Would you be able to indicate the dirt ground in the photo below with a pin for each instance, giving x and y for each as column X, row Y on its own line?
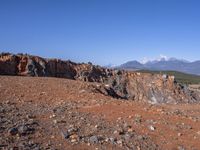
column 52, row 113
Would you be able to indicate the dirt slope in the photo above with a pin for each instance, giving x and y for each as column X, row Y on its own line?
column 52, row 113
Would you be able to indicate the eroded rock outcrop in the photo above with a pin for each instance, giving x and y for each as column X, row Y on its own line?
column 119, row 84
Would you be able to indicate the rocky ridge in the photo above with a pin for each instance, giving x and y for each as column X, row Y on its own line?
column 116, row 83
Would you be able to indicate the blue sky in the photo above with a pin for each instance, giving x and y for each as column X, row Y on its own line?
column 101, row 31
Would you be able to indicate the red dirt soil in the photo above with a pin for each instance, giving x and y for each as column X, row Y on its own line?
column 167, row 126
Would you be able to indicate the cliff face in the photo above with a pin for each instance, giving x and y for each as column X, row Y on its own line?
column 119, row 84
column 8, row 64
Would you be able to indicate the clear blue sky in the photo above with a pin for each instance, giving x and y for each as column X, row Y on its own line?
column 101, row 31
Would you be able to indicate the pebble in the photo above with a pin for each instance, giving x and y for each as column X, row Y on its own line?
column 129, row 117
column 127, row 136
column 73, row 140
column 112, row 140
column 65, row 135
column 130, row 130
column 180, row 134
column 181, row 148
column 30, row 116
column 55, row 121
column 74, row 136
column 152, row 128
column 13, row 131
column 23, row 129
column 52, row 116
column 138, row 118
column 52, row 137
column 94, row 139
column 120, row 118
column 115, row 132
column 120, row 142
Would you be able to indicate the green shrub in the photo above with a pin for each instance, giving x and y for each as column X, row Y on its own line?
column 180, row 77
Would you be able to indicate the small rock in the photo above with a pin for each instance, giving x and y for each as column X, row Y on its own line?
column 65, row 135
column 129, row 117
column 55, row 121
column 127, row 136
column 30, row 116
column 181, row 148
column 121, row 132
column 138, row 119
column 120, row 118
column 23, row 129
column 107, row 139
column 53, row 116
column 94, row 139
column 152, row 128
column 126, row 125
column 74, row 136
column 13, row 131
column 42, row 93
column 120, row 142
column 115, row 132
column 88, row 144
column 72, row 130
column 52, row 137
column 140, row 137
column 82, row 91
column 112, row 140
column 130, row 130
column 180, row 134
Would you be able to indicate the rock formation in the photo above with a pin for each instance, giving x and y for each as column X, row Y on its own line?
column 116, row 83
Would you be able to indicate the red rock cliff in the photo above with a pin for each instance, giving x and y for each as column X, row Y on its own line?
column 119, row 84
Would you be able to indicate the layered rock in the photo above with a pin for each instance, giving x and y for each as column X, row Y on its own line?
column 119, row 84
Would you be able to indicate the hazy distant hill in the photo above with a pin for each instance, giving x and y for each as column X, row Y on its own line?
column 165, row 64
column 132, row 65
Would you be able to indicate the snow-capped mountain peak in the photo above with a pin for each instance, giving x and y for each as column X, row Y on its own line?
column 150, row 60
column 164, row 63
column 161, row 58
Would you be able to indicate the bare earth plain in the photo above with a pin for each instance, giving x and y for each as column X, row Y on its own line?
column 54, row 113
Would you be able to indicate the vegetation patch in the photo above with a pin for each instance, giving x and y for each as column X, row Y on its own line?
column 180, row 77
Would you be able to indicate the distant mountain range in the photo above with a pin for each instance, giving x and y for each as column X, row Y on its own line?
column 164, row 64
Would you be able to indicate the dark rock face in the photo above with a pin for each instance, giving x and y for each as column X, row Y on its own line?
column 147, row 87
column 118, row 84
column 58, row 68
column 8, row 64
